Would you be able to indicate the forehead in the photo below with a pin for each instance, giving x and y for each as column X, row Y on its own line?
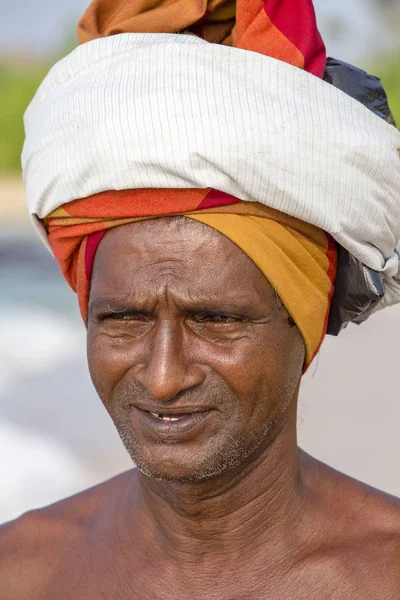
column 179, row 253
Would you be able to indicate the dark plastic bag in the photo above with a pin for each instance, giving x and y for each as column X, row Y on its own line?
column 358, row 289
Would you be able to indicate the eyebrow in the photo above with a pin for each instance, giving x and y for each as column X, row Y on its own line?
column 113, row 304
column 211, row 305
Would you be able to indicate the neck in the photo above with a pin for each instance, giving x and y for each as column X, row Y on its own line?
column 262, row 504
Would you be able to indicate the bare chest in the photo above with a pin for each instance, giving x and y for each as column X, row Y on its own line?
column 88, row 582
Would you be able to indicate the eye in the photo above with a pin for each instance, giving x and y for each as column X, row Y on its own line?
column 124, row 317
column 217, row 318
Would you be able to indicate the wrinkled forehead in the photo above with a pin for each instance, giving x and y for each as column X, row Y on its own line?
column 178, row 253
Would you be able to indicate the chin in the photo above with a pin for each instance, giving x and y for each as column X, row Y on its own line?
column 171, row 462
column 168, row 464
column 190, row 461
column 178, row 475
column 170, row 475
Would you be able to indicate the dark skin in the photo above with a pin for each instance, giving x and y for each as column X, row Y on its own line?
column 225, row 505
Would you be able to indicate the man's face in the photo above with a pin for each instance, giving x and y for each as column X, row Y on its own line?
column 188, row 348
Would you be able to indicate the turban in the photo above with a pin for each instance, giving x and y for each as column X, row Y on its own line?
column 148, row 118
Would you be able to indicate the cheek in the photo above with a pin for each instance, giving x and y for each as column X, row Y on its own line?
column 266, row 374
column 107, row 364
column 262, row 371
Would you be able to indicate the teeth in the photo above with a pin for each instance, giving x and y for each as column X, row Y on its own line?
column 165, row 418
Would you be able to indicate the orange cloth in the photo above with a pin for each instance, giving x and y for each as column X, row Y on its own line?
column 284, row 29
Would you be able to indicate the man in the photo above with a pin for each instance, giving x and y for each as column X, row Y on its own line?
column 203, row 310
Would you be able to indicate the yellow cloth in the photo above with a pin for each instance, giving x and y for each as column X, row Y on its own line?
column 300, row 268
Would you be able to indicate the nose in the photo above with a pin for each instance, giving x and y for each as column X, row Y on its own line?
column 167, row 370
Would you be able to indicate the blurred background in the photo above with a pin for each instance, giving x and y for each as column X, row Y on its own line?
column 55, row 437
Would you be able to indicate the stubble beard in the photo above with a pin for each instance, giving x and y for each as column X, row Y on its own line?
column 228, row 454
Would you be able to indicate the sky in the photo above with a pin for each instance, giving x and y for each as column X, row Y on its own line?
column 353, row 29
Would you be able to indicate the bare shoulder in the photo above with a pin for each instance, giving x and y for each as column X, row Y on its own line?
column 374, row 536
column 380, row 515
column 34, row 547
column 366, row 530
column 29, row 547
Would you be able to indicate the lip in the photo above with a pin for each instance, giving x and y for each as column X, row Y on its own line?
column 180, row 410
column 190, row 423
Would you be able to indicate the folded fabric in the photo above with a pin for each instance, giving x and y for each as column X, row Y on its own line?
column 284, row 29
column 173, row 111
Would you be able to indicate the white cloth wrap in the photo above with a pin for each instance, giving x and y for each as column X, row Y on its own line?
column 173, row 111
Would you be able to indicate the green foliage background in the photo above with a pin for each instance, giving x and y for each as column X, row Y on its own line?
column 18, row 83
column 389, row 71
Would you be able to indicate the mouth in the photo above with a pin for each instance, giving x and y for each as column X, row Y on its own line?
column 174, row 423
